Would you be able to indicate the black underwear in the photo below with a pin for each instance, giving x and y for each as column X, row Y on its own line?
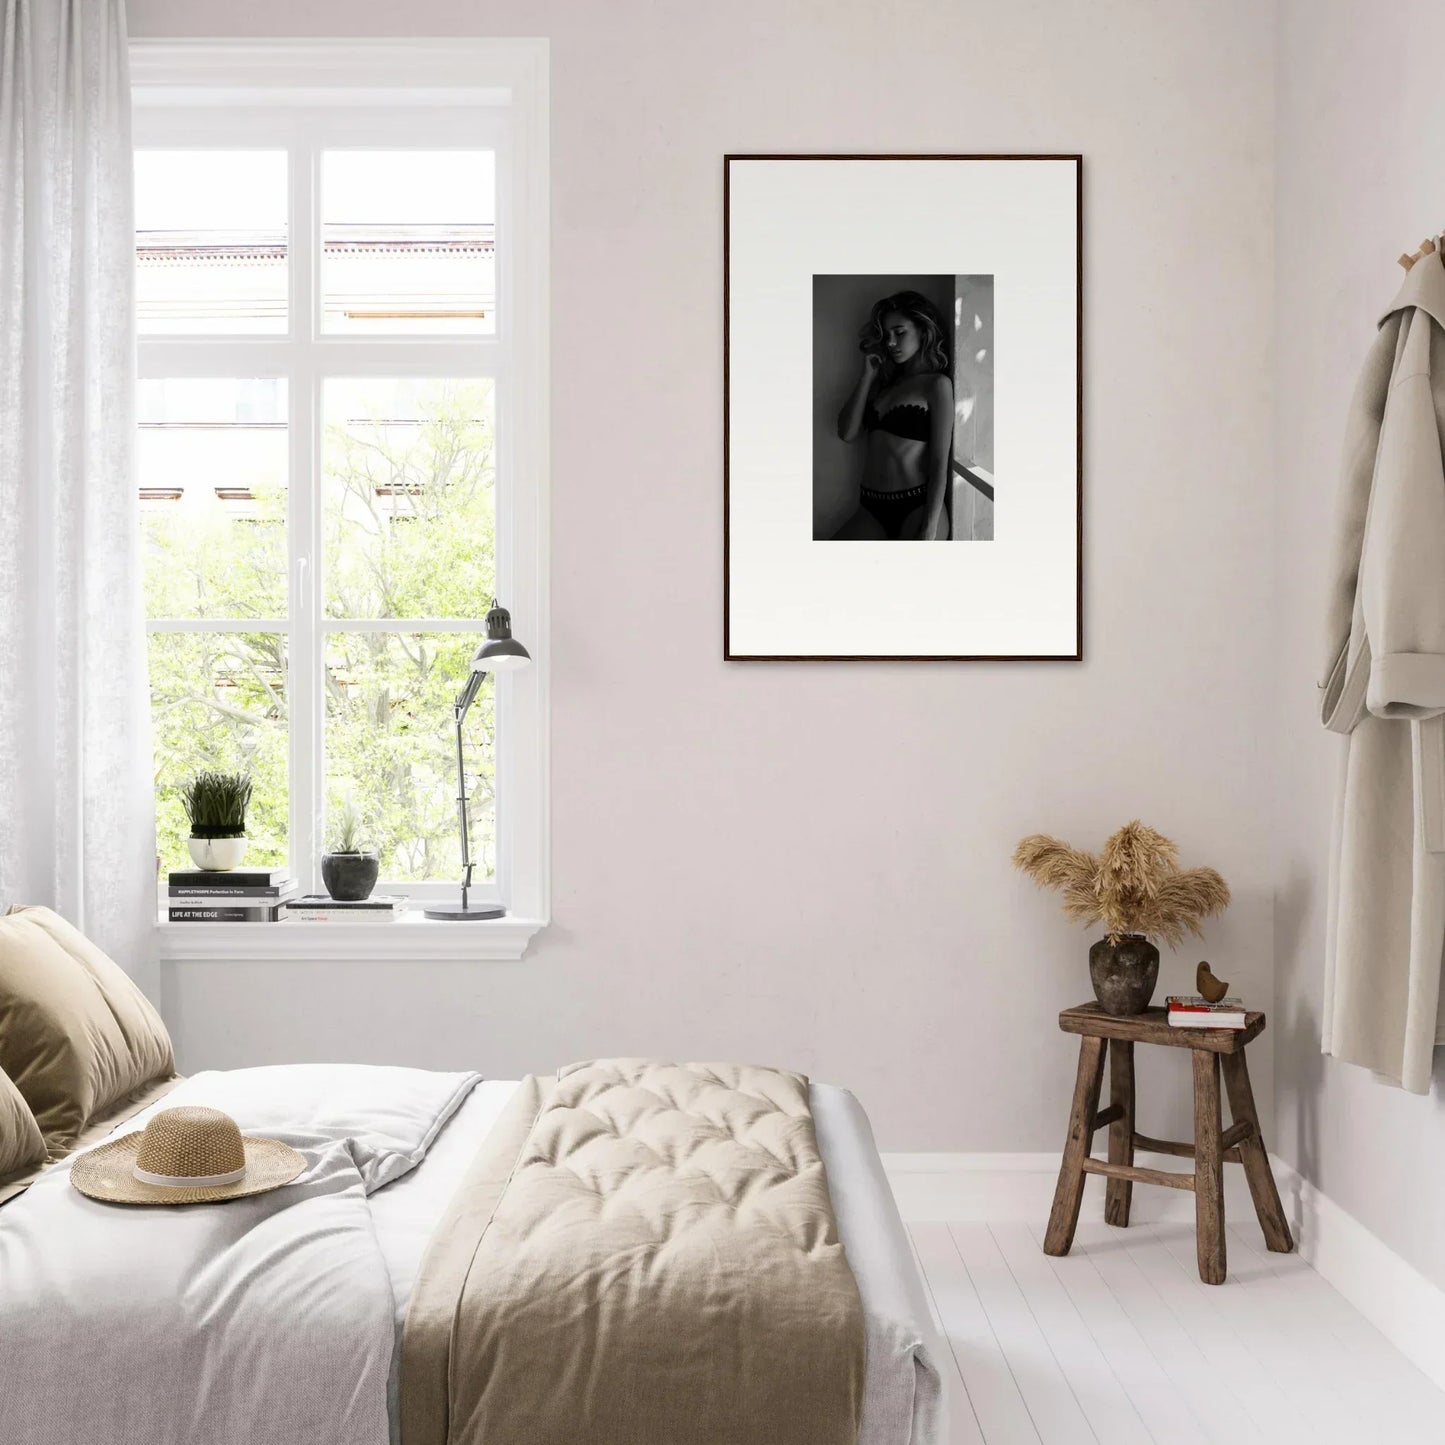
column 892, row 509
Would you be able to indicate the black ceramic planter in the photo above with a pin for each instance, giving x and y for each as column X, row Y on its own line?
column 1124, row 973
column 350, row 877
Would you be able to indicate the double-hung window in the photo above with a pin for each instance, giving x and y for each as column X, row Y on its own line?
column 341, row 453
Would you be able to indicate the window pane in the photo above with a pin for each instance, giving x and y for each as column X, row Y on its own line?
column 218, row 700
column 212, row 459
column 391, row 749
column 408, row 504
column 210, row 242
column 409, row 242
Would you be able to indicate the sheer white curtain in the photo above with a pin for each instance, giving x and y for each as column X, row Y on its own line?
column 76, row 809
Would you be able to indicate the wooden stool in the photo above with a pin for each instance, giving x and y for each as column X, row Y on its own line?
column 1212, row 1147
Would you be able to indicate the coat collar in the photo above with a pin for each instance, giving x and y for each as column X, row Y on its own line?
column 1422, row 288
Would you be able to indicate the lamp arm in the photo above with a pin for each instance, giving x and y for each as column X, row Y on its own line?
column 465, row 698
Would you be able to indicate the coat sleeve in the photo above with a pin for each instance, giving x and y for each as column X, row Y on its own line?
column 1346, row 673
column 1402, row 566
column 1362, row 444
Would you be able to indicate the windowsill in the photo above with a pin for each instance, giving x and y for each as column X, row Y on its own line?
column 410, row 937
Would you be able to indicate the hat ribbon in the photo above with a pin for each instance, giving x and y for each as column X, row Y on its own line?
column 189, row 1181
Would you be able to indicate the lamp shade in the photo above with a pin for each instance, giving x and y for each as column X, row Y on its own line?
column 501, row 652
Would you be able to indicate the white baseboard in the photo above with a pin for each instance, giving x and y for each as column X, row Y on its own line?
column 984, row 1187
column 1406, row 1307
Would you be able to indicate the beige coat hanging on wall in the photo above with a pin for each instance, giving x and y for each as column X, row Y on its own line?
column 1385, row 689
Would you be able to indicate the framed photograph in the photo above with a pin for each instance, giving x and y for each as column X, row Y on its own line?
column 902, row 364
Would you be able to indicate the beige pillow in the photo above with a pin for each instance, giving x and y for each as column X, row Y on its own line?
column 76, row 1035
column 22, row 1150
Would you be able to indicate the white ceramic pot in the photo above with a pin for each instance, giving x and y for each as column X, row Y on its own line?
column 216, row 855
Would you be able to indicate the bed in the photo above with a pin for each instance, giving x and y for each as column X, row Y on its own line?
column 625, row 1252
column 50, row 1249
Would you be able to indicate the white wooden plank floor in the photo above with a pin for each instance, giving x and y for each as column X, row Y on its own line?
column 1120, row 1343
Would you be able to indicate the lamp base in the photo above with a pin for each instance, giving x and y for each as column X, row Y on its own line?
column 457, row 913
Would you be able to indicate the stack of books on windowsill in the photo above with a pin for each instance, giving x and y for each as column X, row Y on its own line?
column 242, row 895
column 319, row 908
column 1192, row 1011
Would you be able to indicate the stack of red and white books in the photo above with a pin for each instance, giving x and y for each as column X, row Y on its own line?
column 1192, row 1011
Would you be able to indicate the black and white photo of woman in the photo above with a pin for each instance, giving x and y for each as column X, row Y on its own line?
column 900, row 412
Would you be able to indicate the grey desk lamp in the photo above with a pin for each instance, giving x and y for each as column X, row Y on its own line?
column 501, row 652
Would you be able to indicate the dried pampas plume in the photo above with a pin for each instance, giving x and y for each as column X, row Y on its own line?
column 1134, row 886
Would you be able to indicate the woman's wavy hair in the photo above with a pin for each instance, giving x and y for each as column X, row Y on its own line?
column 924, row 315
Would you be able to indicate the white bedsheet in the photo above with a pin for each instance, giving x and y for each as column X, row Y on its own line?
column 902, row 1402
column 265, row 1320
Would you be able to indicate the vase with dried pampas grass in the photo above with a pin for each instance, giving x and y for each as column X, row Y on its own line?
column 1136, row 889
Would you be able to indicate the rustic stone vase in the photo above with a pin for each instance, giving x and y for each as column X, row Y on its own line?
column 1124, row 973
column 350, row 877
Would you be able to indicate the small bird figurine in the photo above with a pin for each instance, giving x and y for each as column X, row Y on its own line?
column 1208, row 986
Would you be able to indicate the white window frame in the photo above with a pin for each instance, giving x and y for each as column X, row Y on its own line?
column 307, row 96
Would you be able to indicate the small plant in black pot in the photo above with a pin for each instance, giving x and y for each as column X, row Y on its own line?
column 216, row 805
column 350, row 869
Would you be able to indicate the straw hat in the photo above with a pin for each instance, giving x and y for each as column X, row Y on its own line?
column 186, row 1155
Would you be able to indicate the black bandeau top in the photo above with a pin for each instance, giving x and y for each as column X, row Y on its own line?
column 909, row 419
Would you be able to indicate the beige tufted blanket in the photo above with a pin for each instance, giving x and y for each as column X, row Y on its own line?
column 643, row 1254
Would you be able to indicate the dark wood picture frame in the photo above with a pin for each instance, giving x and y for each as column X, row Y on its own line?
column 1078, row 654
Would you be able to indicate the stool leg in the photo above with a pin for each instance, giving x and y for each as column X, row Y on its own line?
column 1255, row 1158
column 1119, row 1193
column 1069, row 1194
column 1208, row 1169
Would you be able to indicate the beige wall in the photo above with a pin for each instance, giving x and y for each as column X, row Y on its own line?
column 1361, row 179
column 808, row 864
